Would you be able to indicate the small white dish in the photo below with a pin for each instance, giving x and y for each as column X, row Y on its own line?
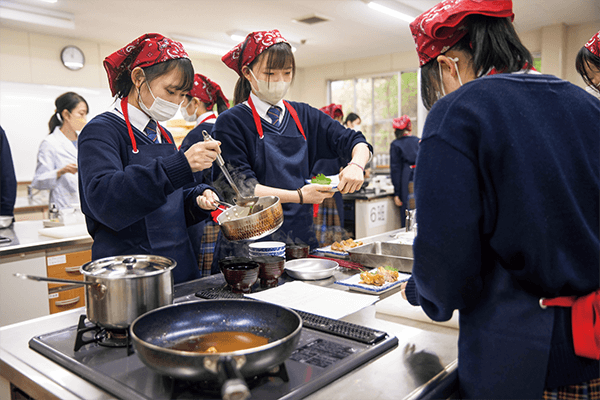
column 335, row 181
column 353, row 283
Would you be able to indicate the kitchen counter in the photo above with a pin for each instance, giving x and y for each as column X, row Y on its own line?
column 394, row 375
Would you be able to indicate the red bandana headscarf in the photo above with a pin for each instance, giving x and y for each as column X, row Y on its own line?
column 256, row 43
column 147, row 50
column 440, row 28
column 402, row 123
column 333, row 110
column 207, row 91
column 593, row 44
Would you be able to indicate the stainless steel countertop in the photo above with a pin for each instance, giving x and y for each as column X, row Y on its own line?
column 392, row 375
column 25, row 238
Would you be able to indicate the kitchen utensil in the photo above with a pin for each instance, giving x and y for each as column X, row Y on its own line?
column 121, row 288
column 237, row 224
column 271, row 268
column 239, row 200
column 240, row 273
column 384, row 254
column 156, row 331
column 310, row 268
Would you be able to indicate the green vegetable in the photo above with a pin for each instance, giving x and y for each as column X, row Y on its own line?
column 321, row 180
column 391, row 268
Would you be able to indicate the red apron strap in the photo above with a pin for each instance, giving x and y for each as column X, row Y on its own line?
column 256, row 118
column 294, row 115
column 585, row 316
column 124, row 104
column 212, row 116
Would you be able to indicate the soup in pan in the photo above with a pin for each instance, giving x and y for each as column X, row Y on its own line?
column 220, row 342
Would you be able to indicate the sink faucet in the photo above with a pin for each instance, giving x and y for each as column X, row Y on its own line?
column 411, row 220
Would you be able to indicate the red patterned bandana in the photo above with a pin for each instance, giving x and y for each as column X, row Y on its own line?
column 440, row 28
column 147, row 50
column 593, row 44
column 207, row 91
column 256, row 43
column 333, row 110
column 402, row 123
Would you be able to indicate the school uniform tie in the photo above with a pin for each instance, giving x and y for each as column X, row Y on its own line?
column 274, row 112
column 150, row 130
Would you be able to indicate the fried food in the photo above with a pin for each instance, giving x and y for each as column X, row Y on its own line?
column 345, row 245
column 379, row 277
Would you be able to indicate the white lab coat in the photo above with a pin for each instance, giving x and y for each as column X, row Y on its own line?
column 55, row 152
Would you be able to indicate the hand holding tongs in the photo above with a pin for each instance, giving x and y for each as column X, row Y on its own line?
column 239, row 200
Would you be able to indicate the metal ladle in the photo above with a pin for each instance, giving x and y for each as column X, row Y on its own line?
column 239, row 200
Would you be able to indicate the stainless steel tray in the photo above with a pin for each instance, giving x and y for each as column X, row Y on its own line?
column 382, row 254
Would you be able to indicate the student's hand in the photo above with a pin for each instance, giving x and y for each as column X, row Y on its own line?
column 206, row 200
column 397, row 201
column 351, row 179
column 67, row 169
column 403, row 290
column 202, row 155
column 315, row 194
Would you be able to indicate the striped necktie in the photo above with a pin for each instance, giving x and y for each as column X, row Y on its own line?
column 150, row 130
column 274, row 112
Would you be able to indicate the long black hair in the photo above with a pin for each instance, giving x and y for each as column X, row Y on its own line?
column 586, row 57
column 124, row 83
column 492, row 43
column 351, row 118
column 66, row 101
column 221, row 104
column 279, row 56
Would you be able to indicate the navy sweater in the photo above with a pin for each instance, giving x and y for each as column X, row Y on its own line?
column 8, row 180
column 508, row 194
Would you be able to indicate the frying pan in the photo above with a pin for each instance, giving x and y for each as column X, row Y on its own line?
column 154, row 332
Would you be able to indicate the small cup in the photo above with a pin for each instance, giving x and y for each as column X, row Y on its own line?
column 294, row 251
column 267, row 248
column 271, row 268
column 240, row 273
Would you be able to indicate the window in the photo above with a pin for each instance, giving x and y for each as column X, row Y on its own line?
column 378, row 100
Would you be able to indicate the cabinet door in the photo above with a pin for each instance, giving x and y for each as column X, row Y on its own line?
column 66, row 266
column 67, row 299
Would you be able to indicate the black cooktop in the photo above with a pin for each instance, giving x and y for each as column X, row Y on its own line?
column 327, row 351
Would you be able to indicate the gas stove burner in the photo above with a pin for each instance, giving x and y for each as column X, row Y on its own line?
column 193, row 389
column 103, row 336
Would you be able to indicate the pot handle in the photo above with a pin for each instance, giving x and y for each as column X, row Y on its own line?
column 233, row 385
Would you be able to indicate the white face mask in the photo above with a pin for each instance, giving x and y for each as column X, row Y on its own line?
column 442, row 78
column 271, row 92
column 188, row 117
column 161, row 110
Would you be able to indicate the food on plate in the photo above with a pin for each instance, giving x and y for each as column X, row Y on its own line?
column 379, row 277
column 345, row 245
column 321, row 179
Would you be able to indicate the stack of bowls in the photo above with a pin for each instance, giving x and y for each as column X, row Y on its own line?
column 261, row 249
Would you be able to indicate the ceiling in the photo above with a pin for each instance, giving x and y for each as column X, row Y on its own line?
column 353, row 31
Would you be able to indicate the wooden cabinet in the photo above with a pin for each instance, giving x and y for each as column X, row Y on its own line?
column 64, row 300
column 65, row 265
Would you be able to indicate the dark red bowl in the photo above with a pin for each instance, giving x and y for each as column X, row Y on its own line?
column 271, row 268
column 240, row 273
column 294, row 251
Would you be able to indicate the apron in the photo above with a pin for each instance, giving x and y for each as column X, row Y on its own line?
column 165, row 226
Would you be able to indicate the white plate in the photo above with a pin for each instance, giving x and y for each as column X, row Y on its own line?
column 327, row 250
column 335, row 181
column 353, row 283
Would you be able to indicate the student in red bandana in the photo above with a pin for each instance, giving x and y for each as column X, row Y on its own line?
column 131, row 175
column 334, row 111
column 198, row 107
column 272, row 144
column 588, row 64
column 403, row 156
column 507, row 193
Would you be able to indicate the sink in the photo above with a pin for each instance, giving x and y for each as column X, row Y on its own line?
column 382, row 254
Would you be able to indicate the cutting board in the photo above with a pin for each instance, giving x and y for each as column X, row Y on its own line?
column 67, row 231
column 396, row 305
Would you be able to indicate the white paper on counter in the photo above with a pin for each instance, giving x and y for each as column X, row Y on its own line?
column 397, row 306
column 331, row 303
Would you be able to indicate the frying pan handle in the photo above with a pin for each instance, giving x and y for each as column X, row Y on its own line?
column 233, row 385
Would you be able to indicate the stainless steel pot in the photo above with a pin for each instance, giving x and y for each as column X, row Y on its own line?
column 246, row 223
column 119, row 289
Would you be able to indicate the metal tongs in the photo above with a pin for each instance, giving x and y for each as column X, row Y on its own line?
column 239, row 200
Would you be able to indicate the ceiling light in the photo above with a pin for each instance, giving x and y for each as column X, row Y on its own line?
column 201, row 45
column 237, row 36
column 389, row 11
column 49, row 1
column 34, row 15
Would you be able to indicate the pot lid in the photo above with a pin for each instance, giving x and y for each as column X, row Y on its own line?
column 130, row 266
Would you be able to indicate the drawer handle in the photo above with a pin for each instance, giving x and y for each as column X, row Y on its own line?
column 72, row 269
column 67, row 302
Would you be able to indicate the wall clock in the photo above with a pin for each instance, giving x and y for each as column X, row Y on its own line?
column 72, row 57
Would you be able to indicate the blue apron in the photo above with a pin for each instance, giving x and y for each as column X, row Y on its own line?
column 166, row 226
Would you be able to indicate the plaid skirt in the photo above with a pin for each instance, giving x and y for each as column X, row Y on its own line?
column 583, row 391
column 207, row 247
column 326, row 224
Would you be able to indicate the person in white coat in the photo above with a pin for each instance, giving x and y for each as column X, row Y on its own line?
column 56, row 168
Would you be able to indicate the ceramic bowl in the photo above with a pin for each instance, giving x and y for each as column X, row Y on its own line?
column 267, row 248
column 271, row 268
column 294, row 251
column 240, row 273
